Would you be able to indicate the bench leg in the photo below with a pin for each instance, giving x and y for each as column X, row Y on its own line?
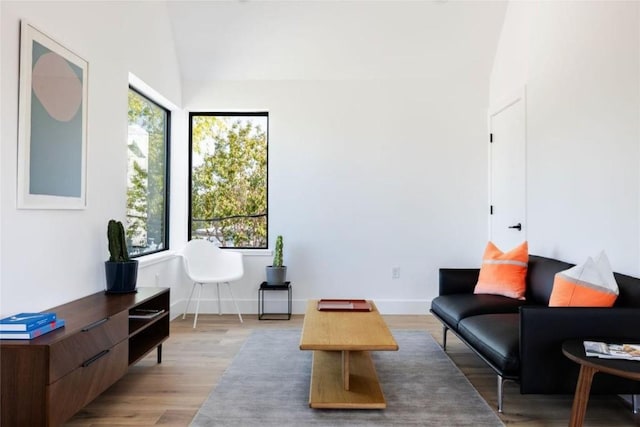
column 634, row 403
column 444, row 337
column 500, row 393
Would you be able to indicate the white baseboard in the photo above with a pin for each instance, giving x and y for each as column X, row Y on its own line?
column 210, row 306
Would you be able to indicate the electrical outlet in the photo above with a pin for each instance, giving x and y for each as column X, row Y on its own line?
column 395, row 273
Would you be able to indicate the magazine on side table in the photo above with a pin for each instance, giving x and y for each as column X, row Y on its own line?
column 612, row 351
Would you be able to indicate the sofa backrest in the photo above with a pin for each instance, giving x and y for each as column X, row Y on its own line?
column 629, row 288
column 541, row 272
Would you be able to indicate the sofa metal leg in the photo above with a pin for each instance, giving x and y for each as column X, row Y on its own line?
column 444, row 337
column 635, row 401
column 500, row 393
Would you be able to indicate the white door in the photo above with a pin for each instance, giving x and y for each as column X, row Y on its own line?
column 507, row 173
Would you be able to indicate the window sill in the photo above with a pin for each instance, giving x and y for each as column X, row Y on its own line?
column 160, row 257
column 149, row 260
column 254, row 252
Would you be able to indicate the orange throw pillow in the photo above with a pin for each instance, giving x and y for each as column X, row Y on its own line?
column 504, row 273
column 590, row 284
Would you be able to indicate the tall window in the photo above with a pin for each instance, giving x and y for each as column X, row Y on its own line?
column 228, row 182
column 148, row 178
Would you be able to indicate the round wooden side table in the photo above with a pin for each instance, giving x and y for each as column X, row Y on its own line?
column 589, row 366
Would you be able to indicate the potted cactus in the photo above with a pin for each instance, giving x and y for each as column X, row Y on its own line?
column 121, row 272
column 277, row 273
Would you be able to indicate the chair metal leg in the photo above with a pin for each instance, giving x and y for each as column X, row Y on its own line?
column 444, row 337
column 500, row 393
column 195, row 318
column 219, row 303
column 635, row 398
column 184, row 315
column 234, row 302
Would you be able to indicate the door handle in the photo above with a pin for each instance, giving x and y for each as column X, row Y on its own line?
column 518, row 226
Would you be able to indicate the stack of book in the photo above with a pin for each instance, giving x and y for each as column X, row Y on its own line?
column 26, row 326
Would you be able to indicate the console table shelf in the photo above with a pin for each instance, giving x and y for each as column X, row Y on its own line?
column 46, row 380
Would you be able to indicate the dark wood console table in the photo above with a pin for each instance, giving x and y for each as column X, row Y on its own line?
column 46, row 380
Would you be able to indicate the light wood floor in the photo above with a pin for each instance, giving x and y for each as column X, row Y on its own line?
column 170, row 394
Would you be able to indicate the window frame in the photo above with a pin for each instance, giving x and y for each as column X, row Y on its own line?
column 167, row 171
column 190, row 177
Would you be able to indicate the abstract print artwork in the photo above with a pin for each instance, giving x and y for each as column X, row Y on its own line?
column 53, row 124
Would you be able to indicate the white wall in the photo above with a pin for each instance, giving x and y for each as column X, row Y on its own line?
column 51, row 257
column 377, row 136
column 369, row 167
column 579, row 62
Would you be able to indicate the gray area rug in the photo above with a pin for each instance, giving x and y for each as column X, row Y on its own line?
column 267, row 384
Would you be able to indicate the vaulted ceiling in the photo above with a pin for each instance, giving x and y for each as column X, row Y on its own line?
column 327, row 40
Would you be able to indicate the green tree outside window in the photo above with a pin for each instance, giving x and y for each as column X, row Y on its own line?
column 229, row 179
column 147, row 176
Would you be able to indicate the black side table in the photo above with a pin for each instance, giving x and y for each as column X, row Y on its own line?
column 273, row 316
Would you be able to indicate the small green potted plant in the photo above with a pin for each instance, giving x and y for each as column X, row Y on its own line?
column 277, row 273
column 121, row 272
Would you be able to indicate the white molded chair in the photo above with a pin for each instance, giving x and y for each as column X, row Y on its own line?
column 205, row 263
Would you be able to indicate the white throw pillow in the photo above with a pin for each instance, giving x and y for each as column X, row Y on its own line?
column 590, row 284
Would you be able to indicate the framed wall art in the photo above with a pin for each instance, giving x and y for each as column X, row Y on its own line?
column 52, row 130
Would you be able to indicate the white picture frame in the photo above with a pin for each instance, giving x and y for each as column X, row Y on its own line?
column 52, row 125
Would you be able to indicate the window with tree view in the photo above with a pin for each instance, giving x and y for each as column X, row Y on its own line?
column 228, row 194
column 147, row 176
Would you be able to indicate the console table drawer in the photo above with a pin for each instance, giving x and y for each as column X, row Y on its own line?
column 68, row 354
column 73, row 391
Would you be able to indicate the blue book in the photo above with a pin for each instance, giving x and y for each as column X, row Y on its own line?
column 34, row 333
column 25, row 321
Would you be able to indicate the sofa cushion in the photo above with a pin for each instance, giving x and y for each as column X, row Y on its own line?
column 497, row 338
column 503, row 273
column 540, row 275
column 453, row 308
column 590, row 284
